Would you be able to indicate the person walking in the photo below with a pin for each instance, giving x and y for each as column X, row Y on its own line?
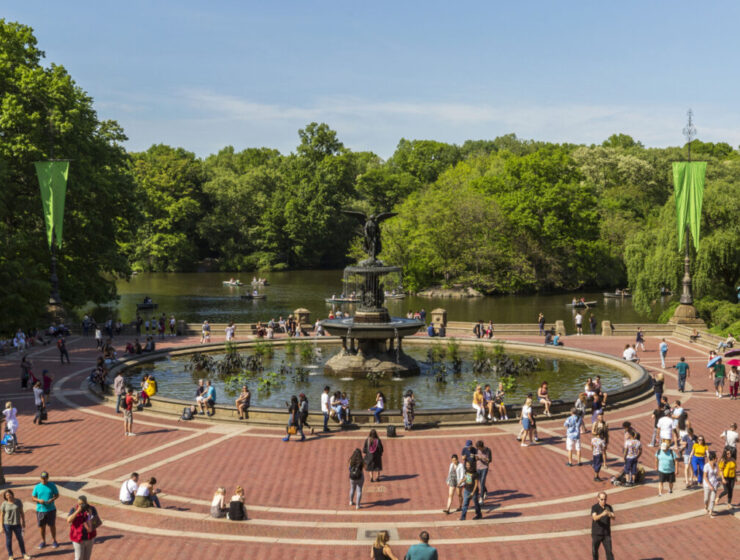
column 325, row 407
column 39, row 400
column 734, row 381
column 81, row 530
column 471, row 488
column 573, row 436
column 99, row 337
column 731, row 438
column 421, row 550
column 527, row 423
column 14, row 522
column 597, row 454
column 294, row 420
column 25, row 372
column 356, row 477
column 663, row 352
column 541, row 323
column 454, row 481
column 303, row 412
column 373, row 450
column 483, row 461
column 62, row 346
column 381, row 550
column 601, row 531
column 640, row 339
column 128, row 412
column 665, row 464
column 727, row 468
column 408, row 410
column 719, row 378
column 44, row 494
column 658, row 387
column 683, row 373
column 632, row 453
column 711, row 483
column 205, row 332
column 698, row 457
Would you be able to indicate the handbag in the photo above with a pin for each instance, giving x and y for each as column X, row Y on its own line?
column 44, row 415
column 292, row 430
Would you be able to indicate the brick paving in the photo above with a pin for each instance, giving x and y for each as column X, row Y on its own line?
column 297, row 492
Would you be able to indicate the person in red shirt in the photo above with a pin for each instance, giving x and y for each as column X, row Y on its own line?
column 81, row 530
column 128, row 412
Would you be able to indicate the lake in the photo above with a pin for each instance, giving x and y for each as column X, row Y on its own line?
column 195, row 297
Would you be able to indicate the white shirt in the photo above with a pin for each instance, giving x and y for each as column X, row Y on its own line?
column 10, row 419
column 142, row 490
column 38, row 392
column 665, row 425
column 579, row 319
column 629, row 354
column 128, row 489
column 526, row 411
column 325, row 403
column 676, row 414
column 731, row 438
column 711, row 476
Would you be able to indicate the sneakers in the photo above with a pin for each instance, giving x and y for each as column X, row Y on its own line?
column 41, row 545
column 286, row 438
column 55, row 544
column 303, row 438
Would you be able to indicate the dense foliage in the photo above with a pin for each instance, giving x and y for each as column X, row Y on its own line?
column 503, row 215
column 43, row 115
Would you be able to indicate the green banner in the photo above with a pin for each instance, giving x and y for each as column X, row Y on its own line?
column 688, row 180
column 53, row 182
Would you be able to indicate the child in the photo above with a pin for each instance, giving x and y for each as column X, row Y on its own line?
column 597, row 446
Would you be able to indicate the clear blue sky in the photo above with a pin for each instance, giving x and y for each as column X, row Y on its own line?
column 203, row 75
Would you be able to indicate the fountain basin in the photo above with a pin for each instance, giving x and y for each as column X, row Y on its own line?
column 395, row 328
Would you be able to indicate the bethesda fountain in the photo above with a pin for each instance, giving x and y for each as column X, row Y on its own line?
column 371, row 339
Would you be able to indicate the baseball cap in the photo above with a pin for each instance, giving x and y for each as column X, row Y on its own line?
column 469, row 442
column 44, row 474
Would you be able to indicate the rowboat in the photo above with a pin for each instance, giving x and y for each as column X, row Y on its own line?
column 341, row 300
column 230, row 283
column 617, row 295
column 260, row 283
column 252, row 296
column 395, row 296
column 582, row 304
column 147, row 305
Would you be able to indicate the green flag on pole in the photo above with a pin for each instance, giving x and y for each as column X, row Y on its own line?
column 53, row 182
column 688, row 180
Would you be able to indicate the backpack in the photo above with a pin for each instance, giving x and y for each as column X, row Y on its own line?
column 355, row 472
column 390, row 431
column 187, row 413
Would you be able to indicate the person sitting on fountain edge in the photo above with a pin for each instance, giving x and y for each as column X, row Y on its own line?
column 430, row 330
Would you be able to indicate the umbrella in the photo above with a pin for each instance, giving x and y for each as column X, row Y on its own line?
column 735, row 352
column 714, row 361
column 733, row 362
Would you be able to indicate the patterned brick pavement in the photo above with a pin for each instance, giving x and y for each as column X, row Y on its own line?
column 297, row 492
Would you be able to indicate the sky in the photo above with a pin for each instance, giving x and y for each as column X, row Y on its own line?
column 204, row 75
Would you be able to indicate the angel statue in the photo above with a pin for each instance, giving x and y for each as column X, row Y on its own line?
column 371, row 230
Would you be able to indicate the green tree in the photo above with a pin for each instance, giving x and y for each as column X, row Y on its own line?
column 424, row 159
column 44, row 114
column 169, row 195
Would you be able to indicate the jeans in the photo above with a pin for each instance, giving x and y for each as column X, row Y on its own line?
column 9, row 530
column 697, row 465
column 326, row 421
column 355, row 490
column 662, row 359
column 681, row 382
column 467, row 495
column 83, row 549
column 482, row 475
column 376, row 412
column 658, row 396
column 119, row 398
column 597, row 541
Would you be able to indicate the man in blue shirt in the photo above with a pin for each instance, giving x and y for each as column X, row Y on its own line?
column 209, row 399
column 422, row 550
column 45, row 494
column 573, row 436
column 683, row 372
column 663, row 352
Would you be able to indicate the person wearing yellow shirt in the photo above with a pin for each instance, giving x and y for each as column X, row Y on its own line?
column 480, row 416
column 698, row 456
column 727, row 468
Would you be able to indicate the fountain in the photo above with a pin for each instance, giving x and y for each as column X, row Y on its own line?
column 372, row 339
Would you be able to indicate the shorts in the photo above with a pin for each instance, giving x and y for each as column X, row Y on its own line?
column 666, row 477
column 597, row 462
column 570, row 443
column 526, row 424
column 719, row 382
column 46, row 518
column 687, row 459
column 630, row 466
column 128, row 414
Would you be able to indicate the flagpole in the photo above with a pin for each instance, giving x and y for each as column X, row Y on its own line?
column 54, row 298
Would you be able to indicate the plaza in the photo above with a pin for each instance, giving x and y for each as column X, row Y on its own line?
column 296, row 492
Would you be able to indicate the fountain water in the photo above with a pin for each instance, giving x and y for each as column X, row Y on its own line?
column 372, row 327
